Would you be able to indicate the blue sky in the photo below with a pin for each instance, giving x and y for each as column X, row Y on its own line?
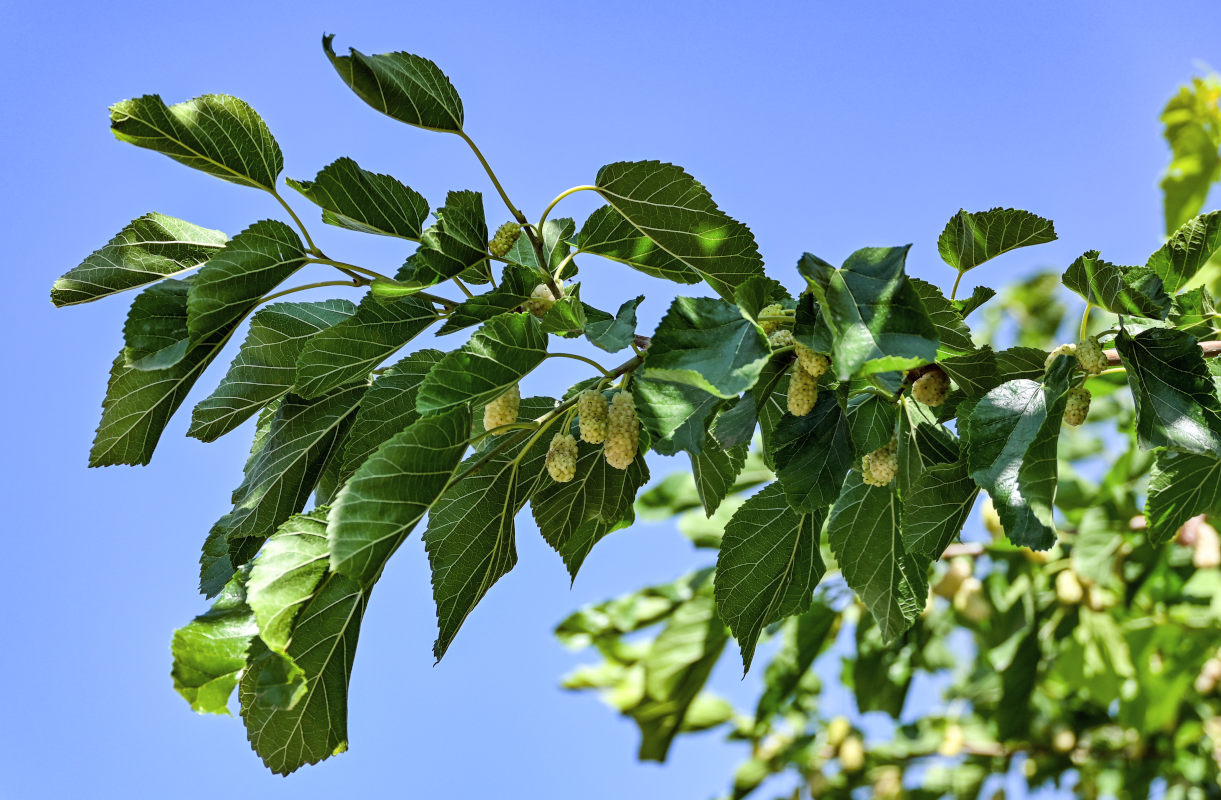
column 826, row 127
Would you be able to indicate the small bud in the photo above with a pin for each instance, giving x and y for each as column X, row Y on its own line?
column 837, row 731
column 503, row 241
column 931, row 387
column 852, row 754
column 561, row 458
column 502, row 410
column 971, row 602
column 1206, row 552
column 952, row 744
column 591, row 412
column 1063, row 740
column 992, row 519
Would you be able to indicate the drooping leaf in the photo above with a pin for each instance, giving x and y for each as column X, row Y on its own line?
column 876, row 317
column 1011, row 439
column 230, row 285
column 497, row 356
column 1188, row 249
column 1181, row 485
column 863, row 531
column 768, row 566
column 266, row 365
column 675, row 415
column 364, row 201
column 406, row 87
column 392, row 490
column 607, row 233
column 323, row 646
column 716, row 469
column 612, row 334
column 285, row 575
column 758, row 292
column 812, row 453
column 1122, row 290
column 979, row 296
column 574, row 516
column 708, row 344
column 387, row 408
column 155, row 332
column 210, row 652
column 1176, row 402
column 150, row 248
column 674, row 210
column 936, row 507
column 457, row 242
column 215, row 133
column 969, row 239
column 348, row 351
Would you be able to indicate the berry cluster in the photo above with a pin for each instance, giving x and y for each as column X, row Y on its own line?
column 504, row 239
column 1078, row 406
column 932, row 387
column 541, row 300
column 803, row 384
column 622, row 431
column 561, row 458
column 1090, row 356
column 592, row 413
column 880, row 467
column 770, row 326
column 502, row 410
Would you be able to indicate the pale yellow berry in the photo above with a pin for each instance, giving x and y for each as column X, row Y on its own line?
column 591, row 412
column 502, row 242
column 852, row 754
column 1062, row 350
column 880, row 467
column 770, row 325
column 952, row 744
column 931, row 387
column 561, row 458
column 1090, row 356
column 814, row 363
column 622, row 431
column 1063, row 740
column 542, row 299
column 1077, row 406
column 992, row 519
column 781, row 338
column 1206, row 552
column 959, row 571
column 837, row 731
column 502, row 410
column 803, row 392
column 1068, row 588
column 971, row 601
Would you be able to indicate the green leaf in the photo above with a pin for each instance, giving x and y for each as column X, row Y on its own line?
column 210, row 652
column 497, row 356
column 215, row 133
column 406, row 87
column 1176, row 403
column 979, row 296
column 285, row 575
column 392, row 490
column 348, row 351
column 155, row 333
column 455, row 243
column 768, row 566
column 812, row 453
column 863, row 531
column 1192, row 123
column 574, row 516
column 607, row 233
column 936, row 507
column 233, row 281
column 674, row 210
column 1187, row 250
column 470, row 536
column 970, row 239
column 922, row 443
column 952, row 333
column 1122, row 290
column 876, row 316
column 266, row 366
column 364, row 201
column 387, row 408
column 566, row 316
column 716, row 469
column 516, row 284
column 282, row 474
column 323, row 646
column 674, row 415
column 1181, row 486
column 1195, row 313
column 975, row 373
column 1011, row 439
column 708, row 344
column 804, row 638
column 1021, row 362
column 871, row 422
column 612, row 334
column 555, row 247
column 150, row 248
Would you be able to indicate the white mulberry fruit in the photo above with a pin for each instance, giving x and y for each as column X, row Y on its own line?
column 803, row 392
column 781, row 338
column 880, row 467
column 502, row 410
column 504, row 239
column 770, row 326
column 541, row 300
column 931, row 387
column 591, row 412
column 814, row 363
column 622, row 431
column 562, row 458
column 1090, row 356
column 1062, row 350
column 1077, row 406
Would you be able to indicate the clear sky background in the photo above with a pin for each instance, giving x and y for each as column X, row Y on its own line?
column 824, row 126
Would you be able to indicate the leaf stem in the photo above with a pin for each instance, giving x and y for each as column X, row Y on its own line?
column 605, row 372
column 462, row 286
column 520, row 217
column 512, row 426
column 355, row 282
column 1085, row 321
column 561, row 196
column 300, row 225
column 560, row 269
column 954, row 291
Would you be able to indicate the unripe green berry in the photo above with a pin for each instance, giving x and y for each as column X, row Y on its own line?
column 770, row 325
column 561, row 458
column 803, row 391
column 880, row 467
column 814, row 363
column 1077, row 406
column 781, row 338
column 541, row 300
column 622, row 431
column 502, row 410
column 503, row 241
column 1090, row 356
column 592, row 412
column 931, row 387
column 1062, row 350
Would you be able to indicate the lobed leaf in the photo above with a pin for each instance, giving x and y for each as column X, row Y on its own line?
column 1181, row 485
column 612, row 334
column 1122, row 290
